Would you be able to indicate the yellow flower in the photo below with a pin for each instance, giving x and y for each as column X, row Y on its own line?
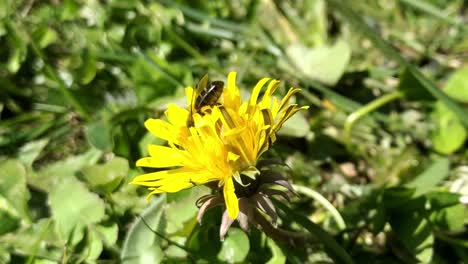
column 224, row 142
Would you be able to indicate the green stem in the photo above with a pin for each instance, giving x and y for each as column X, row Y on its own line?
column 358, row 114
column 324, row 202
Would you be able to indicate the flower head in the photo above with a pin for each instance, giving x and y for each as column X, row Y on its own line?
column 224, row 142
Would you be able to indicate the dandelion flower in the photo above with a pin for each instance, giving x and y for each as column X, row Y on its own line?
column 224, row 143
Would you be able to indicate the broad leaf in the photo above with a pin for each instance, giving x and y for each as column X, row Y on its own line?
column 141, row 244
column 325, row 64
column 13, row 191
column 457, row 85
column 449, row 134
column 235, row 247
column 73, row 206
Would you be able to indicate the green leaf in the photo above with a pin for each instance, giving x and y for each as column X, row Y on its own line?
column 325, row 64
column 451, row 218
column 88, row 68
column 412, row 88
column 457, row 85
column 9, row 221
column 414, row 232
column 44, row 36
column 181, row 210
column 108, row 233
column 236, row 246
column 29, row 152
column 278, row 256
column 106, row 178
column 99, row 134
column 397, row 196
column 439, row 200
column 68, row 10
column 449, row 134
column 37, row 239
column 431, row 177
column 141, row 245
column 94, row 246
column 73, row 206
column 13, row 191
column 46, row 178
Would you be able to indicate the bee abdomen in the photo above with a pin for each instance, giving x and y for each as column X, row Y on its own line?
column 210, row 95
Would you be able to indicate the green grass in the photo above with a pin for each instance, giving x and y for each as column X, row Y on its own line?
column 379, row 159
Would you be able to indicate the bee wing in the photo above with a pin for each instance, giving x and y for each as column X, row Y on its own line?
column 198, row 89
column 202, row 83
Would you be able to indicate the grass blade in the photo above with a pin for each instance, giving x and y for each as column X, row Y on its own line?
column 430, row 9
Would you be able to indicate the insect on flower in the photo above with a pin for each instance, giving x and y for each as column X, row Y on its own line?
column 206, row 94
column 224, row 144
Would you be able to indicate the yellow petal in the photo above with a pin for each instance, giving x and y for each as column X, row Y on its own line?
column 162, row 157
column 256, row 91
column 175, row 186
column 162, row 129
column 230, row 199
column 189, row 94
column 288, row 96
column 231, row 94
column 153, row 176
column 232, row 156
column 177, row 115
column 168, row 177
column 266, row 99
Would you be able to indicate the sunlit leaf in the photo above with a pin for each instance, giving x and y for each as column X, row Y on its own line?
column 99, row 135
column 47, row 177
column 181, row 210
column 235, row 246
column 106, row 177
column 431, row 177
column 324, row 64
column 141, row 245
column 73, row 206
column 30, row 151
column 414, row 231
column 457, row 85
column 449, row 134
column 296, row 126
column 13, row 192
column 278, row 256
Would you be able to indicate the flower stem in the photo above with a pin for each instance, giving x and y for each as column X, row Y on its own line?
column 359, row 113
column 324, row 202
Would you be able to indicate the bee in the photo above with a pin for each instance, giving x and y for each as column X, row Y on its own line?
column 206, row 93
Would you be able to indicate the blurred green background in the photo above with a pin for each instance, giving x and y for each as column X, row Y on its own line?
column 379, row 160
